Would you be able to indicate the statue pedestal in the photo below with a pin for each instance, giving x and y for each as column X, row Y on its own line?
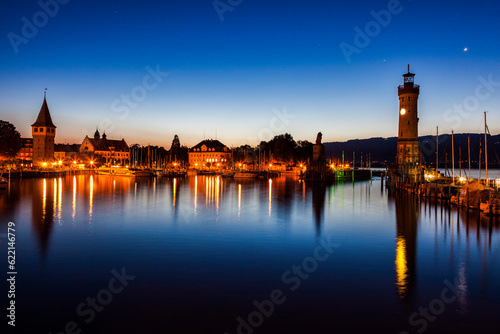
column 319, row 152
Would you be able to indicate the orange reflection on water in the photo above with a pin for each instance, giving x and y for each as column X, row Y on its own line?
column 55, row 198
column 270, row 195
column 195, row 194
column 401, row 266
column 217, row 193
column 73, row 202
column 91, row 196
column 212, row 187
column 59, row 201
column 174, row 195
column 44, row 199
column 239, row 200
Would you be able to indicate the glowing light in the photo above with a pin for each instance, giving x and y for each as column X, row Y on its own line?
column 403, row 111
column 59, row 162
column 91, row 162
column 44, row 164
column 401, row 266
column 466, row 49
column 429, row 177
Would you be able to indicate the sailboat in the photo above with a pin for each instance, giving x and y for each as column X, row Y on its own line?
column 476, row 195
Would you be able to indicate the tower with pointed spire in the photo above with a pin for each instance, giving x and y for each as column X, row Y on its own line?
column 44, row 133
column 408, row 151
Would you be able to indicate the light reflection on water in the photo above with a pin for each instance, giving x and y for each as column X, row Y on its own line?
column 230, row 240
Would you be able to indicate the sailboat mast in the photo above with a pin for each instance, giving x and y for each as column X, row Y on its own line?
column 468, row 159
column 437, row 149
column 452, row 156
column 480, row 158
column 485, row 149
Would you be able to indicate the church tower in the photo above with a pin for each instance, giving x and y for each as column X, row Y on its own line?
column 44, row 133
column 408, row 152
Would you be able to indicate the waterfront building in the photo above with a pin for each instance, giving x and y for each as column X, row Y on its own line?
column 112, row 151
column 64, row 152
column 44, row 133
column 209, row 153
column 25, row 154
column 408, row 154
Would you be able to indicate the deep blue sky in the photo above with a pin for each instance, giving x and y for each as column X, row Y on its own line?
column 231, row 77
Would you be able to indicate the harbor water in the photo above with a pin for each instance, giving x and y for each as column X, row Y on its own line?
column 207, row 254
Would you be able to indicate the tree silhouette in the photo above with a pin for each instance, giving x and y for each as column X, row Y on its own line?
column 10, row 140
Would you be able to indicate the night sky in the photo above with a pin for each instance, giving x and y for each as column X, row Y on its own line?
column 237, row 71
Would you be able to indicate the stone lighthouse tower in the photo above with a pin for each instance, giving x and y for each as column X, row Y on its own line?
column 44, row 133
column 408, row 152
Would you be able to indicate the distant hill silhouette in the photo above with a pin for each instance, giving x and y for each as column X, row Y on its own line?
column 383, row 150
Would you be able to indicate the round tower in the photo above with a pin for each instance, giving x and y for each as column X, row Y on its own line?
column 408, row 152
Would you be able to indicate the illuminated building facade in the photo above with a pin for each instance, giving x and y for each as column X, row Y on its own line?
column 209, row 153
column 65, row 151
column 112, row 151
column 25, row 154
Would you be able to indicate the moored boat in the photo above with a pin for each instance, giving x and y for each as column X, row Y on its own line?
column 3, row 183
column 141, row 172
column 115, row 171
column 245, row 174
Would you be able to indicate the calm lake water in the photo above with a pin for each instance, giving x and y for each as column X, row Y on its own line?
column 205, row 254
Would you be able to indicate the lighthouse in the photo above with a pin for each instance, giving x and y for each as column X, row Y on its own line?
column 408, row 152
